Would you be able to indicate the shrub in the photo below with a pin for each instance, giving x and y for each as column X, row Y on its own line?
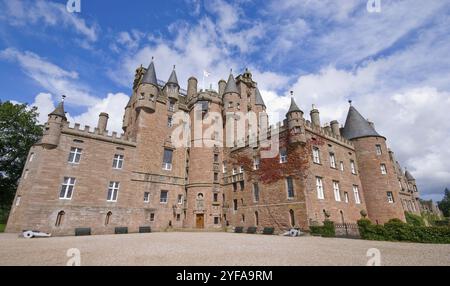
column 414, row 220
column 396, row 230
column 325, row 230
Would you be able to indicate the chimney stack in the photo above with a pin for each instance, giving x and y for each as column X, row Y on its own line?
column 222, row 84
column 102, row 122
column 192, row 87
column 335, row 127
column 315, row 117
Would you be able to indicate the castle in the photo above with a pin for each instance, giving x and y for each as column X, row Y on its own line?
column 88, row 179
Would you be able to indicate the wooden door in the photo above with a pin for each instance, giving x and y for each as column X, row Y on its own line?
column 200, row 221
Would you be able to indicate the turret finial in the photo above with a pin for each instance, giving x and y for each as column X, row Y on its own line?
column 174, row 67
column 292, row 94
column 63, row 97
column 313, row 106
column 350, row 102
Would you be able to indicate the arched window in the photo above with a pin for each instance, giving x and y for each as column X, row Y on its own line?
column 60, row 218
column 243, row 218
column 342, row 216
column 292, row 217
column 256, row 219
column 108, row 218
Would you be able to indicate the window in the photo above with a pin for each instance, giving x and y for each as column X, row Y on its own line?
column 316, row 155
column 108, row 218
column 256, row 218
column 216, row 158
column 383, row 169
column 290, row 187
column 215, row 197
column 118, row 161
column 241, row 184
column 234, row 187
column 75, row 155
column 180, row 199
column 169, row 121
column 25, row 174
column 59, row 218
column 346, row 197
column 230, row 104
column 113, row 191
column 292, row 217
column 67, row 189
column 178, row 217
column 256, row 162
column 216, row 220
column 31, row 157
column 353, row 167
column 319, row 186
column 171, row 106
column 256, row 192
column 146, row 197
column 204, row 105
column 378, row 149
column 356, row 193
column 332, row 161
column 241, row 169
column 216, row 177
column 243, row 218
column 167, row 159
column 164, row 196
column 390, row 197
column 224, row 167
column 238, row 106
column 234, row 171
column 341, row 164
column 235, row 205
column 18, row 199
column 337, row 194
column 283, row 156
column 152, row 217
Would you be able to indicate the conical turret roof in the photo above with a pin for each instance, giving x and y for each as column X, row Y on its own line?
column 150, row 75
column 356, row 126
column 173, row 78
column 293, row 107
column 231, row 85
column 59, row 110
column 409, row 176
column 258, row 98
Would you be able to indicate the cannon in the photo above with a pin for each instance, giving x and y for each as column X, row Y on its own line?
column 33, row 233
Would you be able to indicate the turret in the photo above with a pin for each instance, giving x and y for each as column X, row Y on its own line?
column 231, row 95
column 102, row 122
column 315, row 116
column 295, row 121
column 172, row 88
column 377, row 172
column 52, row 131
column 148, row 90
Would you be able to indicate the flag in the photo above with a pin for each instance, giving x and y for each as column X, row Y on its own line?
column 206, row 73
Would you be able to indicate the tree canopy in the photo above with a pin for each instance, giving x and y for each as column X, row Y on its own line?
column 19, row 130
column 444, row 204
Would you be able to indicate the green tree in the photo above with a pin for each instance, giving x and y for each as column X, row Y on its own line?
column 19, row 130
column 444, row 205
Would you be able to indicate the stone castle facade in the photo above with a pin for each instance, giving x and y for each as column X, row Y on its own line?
column 86, row 178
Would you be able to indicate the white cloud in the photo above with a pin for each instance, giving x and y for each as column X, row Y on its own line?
column 21, row 13
column 50, row 76
column 113, row 104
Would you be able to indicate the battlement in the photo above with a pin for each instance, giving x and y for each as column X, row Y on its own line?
column 94, row 133
column 328, row 134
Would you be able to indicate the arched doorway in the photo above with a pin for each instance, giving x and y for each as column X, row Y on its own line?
column 59, row 218
column 292, row 218
column 256, row 218
column 108, row 218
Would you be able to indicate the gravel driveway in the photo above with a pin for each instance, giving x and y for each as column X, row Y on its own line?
column 209, row 248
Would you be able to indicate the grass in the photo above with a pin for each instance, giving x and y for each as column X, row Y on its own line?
column 2, row 227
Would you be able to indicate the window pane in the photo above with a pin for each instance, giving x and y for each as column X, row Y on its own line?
column 167, row 156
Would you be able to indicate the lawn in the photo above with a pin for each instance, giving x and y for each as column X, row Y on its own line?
column 2, row 227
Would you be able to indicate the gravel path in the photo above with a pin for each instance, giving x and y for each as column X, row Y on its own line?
column 206, row 248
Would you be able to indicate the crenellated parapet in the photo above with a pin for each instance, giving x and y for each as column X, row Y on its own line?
column 97, row 134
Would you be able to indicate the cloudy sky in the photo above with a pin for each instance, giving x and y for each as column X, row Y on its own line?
column 394, row 64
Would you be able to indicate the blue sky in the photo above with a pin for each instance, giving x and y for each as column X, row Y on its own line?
column 394, row 64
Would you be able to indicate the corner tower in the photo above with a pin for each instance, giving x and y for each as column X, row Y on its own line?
column 52, row 131
column 377, row 173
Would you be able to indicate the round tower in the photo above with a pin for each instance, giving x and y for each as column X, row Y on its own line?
column 52, row 131
column 172, row 88
column 205, row 157
column 376, row 171
column 147, row 91
column 295, row 122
